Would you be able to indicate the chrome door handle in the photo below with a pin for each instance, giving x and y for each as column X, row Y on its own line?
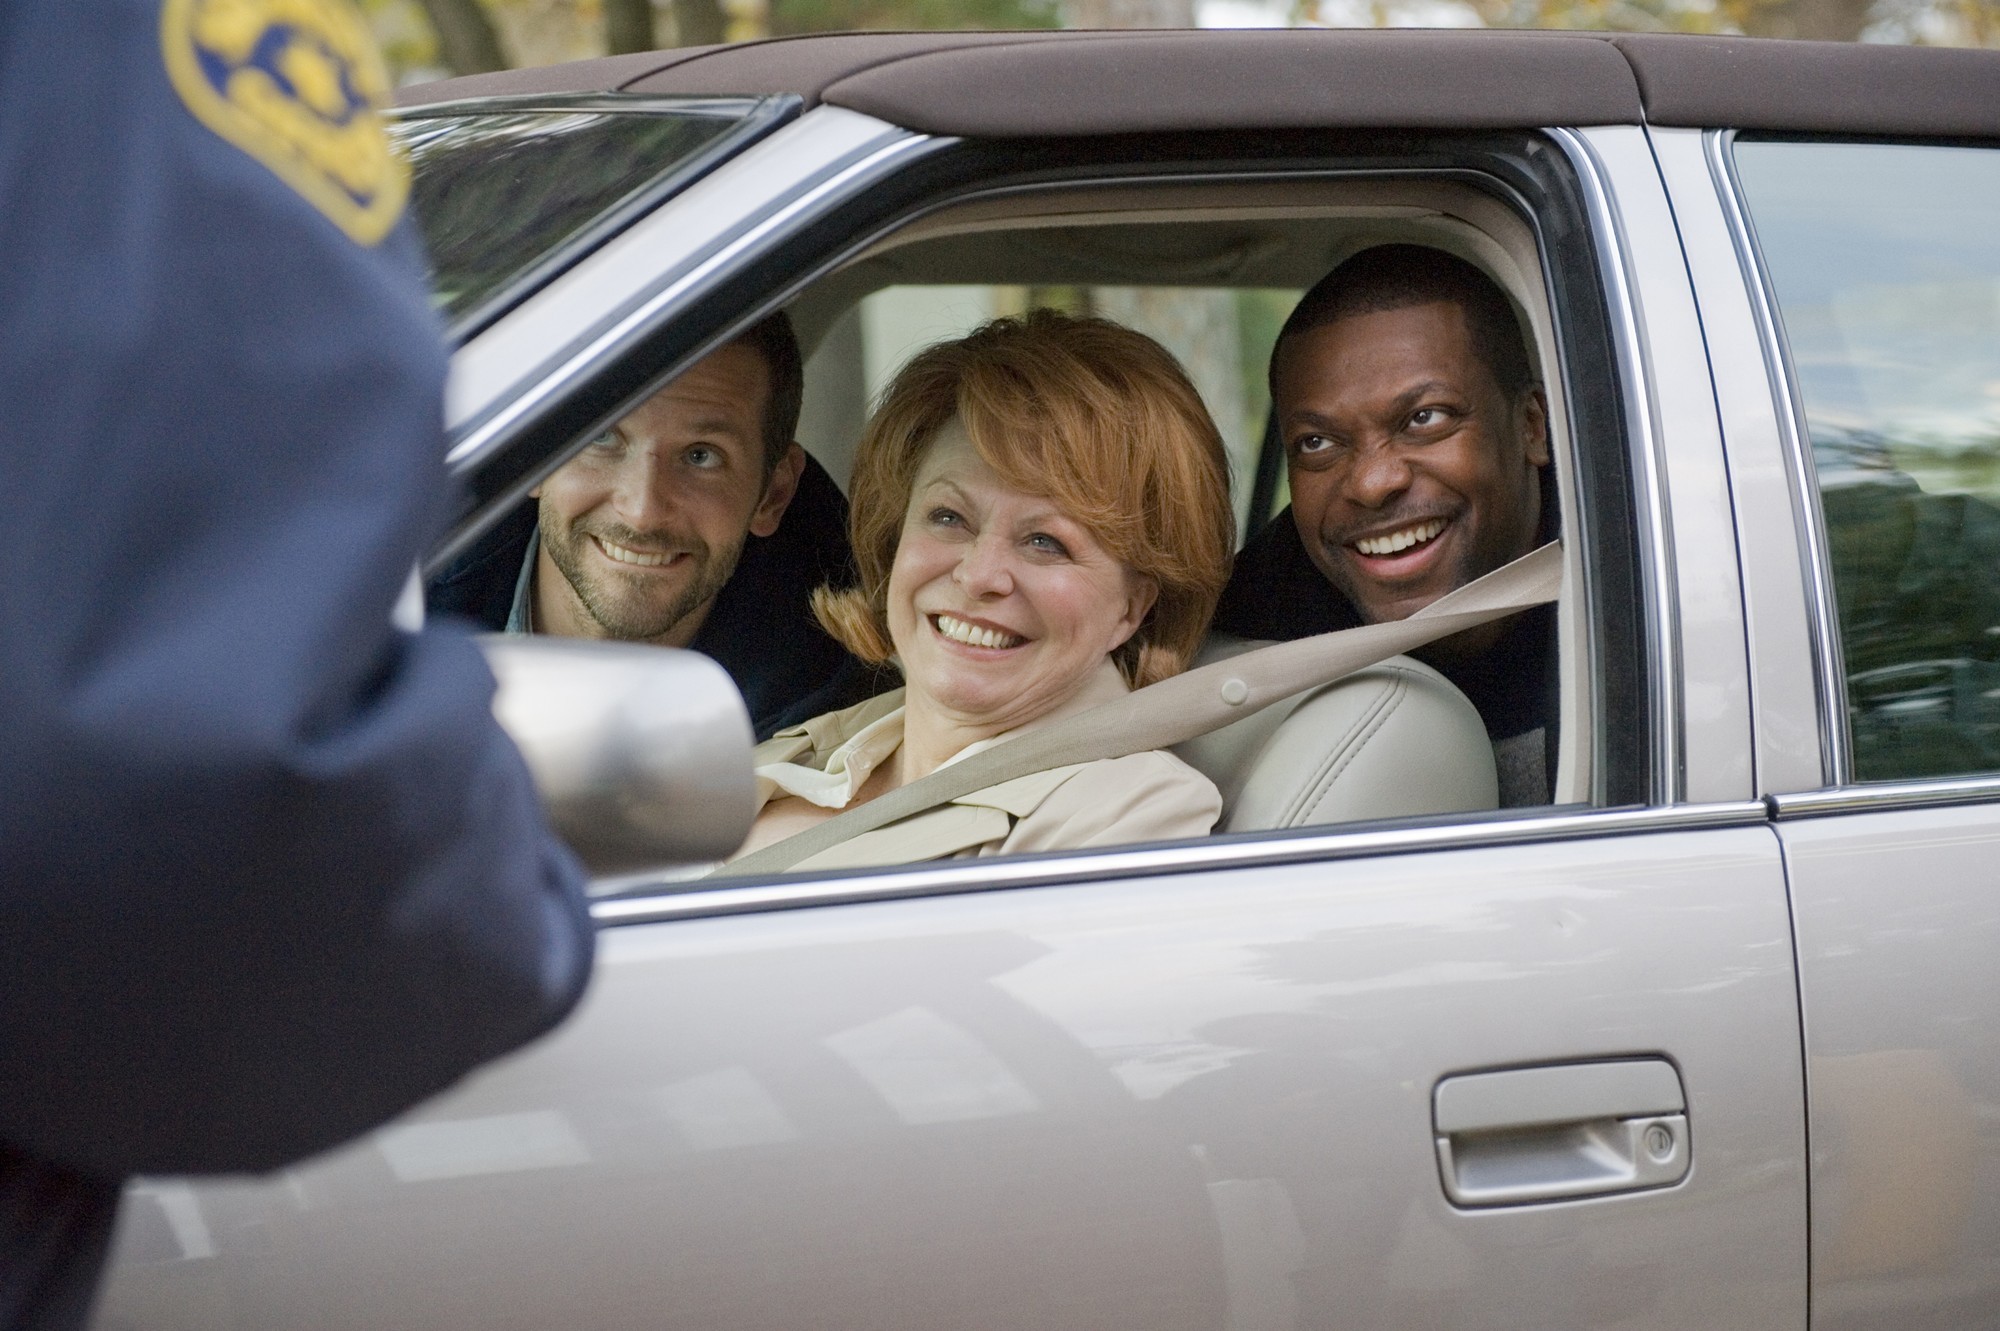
column 1572, row 1130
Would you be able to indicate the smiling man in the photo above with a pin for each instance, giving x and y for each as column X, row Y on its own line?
column 638, row 534
column 696, row 521
column 1416, row 441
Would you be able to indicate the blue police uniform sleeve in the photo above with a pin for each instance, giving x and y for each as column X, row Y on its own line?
column 269, row 871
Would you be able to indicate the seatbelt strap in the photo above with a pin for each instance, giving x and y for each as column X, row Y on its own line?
column 1189, row 704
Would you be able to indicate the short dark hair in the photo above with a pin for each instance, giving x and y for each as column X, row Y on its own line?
column 772, row 338
column 1394, row 277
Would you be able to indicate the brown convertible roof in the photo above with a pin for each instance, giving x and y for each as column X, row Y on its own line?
column 1035, row 84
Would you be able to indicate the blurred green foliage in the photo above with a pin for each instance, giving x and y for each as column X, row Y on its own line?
column 789, row 17
column 406, row 37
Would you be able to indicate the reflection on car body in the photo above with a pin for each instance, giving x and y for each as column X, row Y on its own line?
column 1198, row 1083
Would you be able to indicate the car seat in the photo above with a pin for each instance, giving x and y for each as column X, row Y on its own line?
column 1392, row 741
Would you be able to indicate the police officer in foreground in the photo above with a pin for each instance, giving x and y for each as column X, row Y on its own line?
column 269, row 872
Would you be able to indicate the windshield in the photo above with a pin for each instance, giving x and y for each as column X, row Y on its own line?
column 509, row 192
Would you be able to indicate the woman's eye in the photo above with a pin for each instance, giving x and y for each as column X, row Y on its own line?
column 607, row 442
column 944, row 517
column 1047, row 544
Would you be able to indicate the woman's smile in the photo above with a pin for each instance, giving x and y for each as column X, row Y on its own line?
column 974, row 633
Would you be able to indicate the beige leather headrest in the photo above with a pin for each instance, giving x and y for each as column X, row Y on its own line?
column 1394, row 740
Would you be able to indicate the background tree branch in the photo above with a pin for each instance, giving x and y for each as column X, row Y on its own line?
column 628, row 26
column 700, row 23
column 468, row 43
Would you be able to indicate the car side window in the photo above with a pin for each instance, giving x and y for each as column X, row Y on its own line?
column 1884, row 260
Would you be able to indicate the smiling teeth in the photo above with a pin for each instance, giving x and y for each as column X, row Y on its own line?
column 1400, row 540
column 974, row 636
column 640, row 557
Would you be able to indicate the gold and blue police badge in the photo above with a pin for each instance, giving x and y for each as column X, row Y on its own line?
column 298, row 85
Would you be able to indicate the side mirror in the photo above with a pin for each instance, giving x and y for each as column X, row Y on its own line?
column 641, row 754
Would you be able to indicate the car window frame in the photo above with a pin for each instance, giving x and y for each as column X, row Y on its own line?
column 1808, row 516
column 1533, row 173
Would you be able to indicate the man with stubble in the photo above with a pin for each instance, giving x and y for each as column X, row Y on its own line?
column 695, row 521
column 1416, row 443
column 638, row 534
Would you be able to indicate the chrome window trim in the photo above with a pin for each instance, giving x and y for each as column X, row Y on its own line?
column 1785, row 753
column 1700, row 539
column 1886, row 797
column 667, row 896
column 1254, row 850
column 585, row 102
column 683, row 281
column 1503, row 193
column 1664, row 674
column 1808, row 517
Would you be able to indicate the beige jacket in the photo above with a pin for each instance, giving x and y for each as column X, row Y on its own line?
column 1148, row 796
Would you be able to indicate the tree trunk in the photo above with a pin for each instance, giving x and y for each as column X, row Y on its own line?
column 467, row 41
column 628, row 26
column 1830, row 20
column 700, row 23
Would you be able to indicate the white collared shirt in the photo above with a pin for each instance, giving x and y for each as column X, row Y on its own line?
column 862, row 754
column 849, row 766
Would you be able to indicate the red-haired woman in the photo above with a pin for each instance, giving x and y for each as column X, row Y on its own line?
column 1041, row 521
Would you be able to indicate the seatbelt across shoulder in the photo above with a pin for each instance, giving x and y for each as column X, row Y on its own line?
column 1191, row 703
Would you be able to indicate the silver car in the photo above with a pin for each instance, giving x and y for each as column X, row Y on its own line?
column 1712, row 1040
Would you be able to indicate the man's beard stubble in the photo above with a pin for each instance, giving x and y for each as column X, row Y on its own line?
column 621, row 614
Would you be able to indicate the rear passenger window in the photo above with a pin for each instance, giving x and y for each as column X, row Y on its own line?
column 1885, row 263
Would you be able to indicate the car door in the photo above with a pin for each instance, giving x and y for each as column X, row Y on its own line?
column 1535, row 1069
column 1865, row 424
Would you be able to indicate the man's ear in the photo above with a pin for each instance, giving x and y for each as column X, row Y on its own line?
column 779, row 487
column 1532, row 419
